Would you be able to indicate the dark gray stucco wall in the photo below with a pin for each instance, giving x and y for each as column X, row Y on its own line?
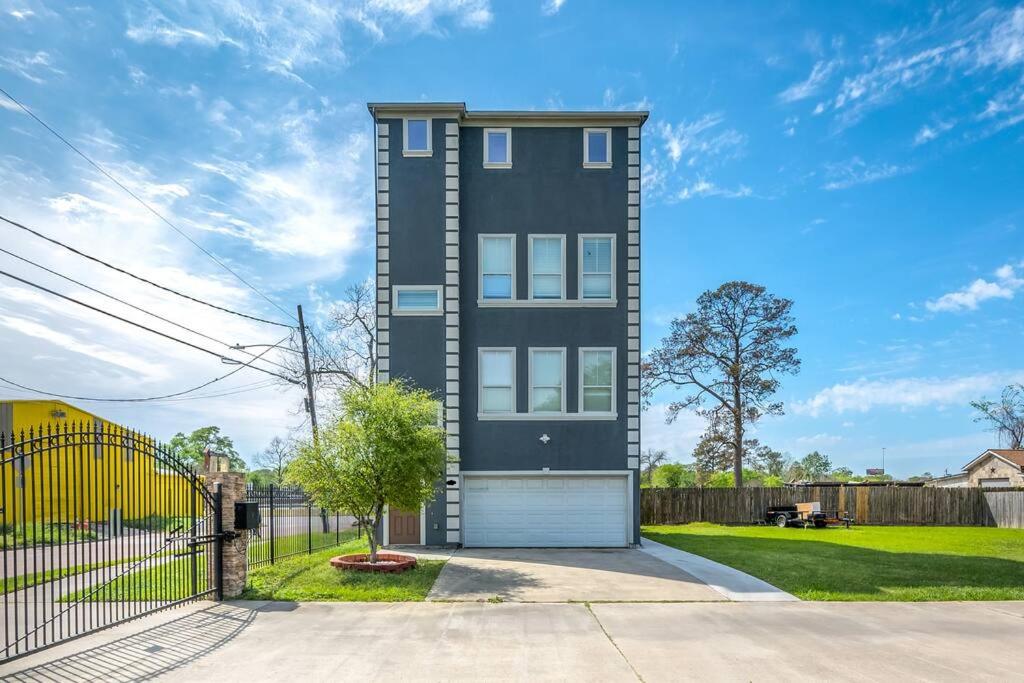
column 416, row 225
column 547, row 190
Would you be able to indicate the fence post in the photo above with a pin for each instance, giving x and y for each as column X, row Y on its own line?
column 309, row 528
column 193, row 495
column 272, row 553
column 230, row 559
column 218, row 544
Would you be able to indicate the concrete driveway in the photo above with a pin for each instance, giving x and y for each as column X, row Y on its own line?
column 565, row 575
column 723, row 641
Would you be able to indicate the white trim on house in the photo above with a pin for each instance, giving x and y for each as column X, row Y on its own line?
column 550, row 417
column 480, row 378
column 614, row 387
column 386, row 523
column 587, row 163
column 546, row 303
column 529, row 265
column 480, row 264
column 429, row 151
column 579, row 267
column 397, row 310
column 508, row 148
column 382, row 193
column 529, row 382
column 995, row 455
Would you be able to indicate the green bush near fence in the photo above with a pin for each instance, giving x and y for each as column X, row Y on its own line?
column 12, row 535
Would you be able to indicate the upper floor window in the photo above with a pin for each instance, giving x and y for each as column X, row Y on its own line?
column 547, row 380
column 416, row 138
column 417, row 300
column 497, row 266
column 597, row 147
column 597, row 380
column 497, row 148
column 597, row 267
column 497, row 380
column 547, row 266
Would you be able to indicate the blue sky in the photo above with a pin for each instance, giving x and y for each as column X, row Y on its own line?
column 863, row 159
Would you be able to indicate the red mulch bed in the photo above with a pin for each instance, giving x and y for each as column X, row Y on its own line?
column 390, row 563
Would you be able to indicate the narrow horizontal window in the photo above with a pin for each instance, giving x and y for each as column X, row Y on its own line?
column 497, row 381
column 597, row 380
column 547, row 380
column 597, row 267
column 497, row 266
column 417, row 299
column 547, row 267
column 417, row 137
column 597, row 147
column 498, row 147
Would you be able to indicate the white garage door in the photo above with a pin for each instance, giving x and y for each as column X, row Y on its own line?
column 545, row 512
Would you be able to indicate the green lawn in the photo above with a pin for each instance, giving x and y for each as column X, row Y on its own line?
column 13, row 535
column 865, row 563
column 311, row 577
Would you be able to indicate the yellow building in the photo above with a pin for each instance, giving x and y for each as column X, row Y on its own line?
column 65, row 465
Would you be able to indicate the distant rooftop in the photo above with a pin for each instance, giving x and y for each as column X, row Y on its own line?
column 458, row 111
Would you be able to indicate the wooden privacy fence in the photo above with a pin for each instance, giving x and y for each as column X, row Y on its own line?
column 915, row 506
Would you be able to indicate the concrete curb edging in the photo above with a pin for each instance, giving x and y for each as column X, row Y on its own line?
column 732, row 583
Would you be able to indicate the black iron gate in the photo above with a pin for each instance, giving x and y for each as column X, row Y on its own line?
column 98, row 525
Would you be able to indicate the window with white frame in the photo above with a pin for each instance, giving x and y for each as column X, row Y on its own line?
column 547, row 380
column 597, row 267
column 497, row 380
column 497, row 267
column 497, row 148
column 597, row 380
column 597, row 147
column 547, row 266
column 416, row 137
column 416, row 299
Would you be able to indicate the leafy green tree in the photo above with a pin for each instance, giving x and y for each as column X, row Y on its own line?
column 275, row 458
column 650, row 460
column 841, row 474
column 673, row 475
column 770, row 461
column 728, row 356
column 815, row 466
column 190, row 447
column 1005, row 418
column 260, row 477
column 384, row 448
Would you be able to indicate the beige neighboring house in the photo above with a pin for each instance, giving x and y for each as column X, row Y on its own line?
column 995, row 468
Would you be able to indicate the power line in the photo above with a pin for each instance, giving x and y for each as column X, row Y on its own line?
column 139, row 308
column 133, row 275
column 148, row 398
column 141, row 326
column 143, row 202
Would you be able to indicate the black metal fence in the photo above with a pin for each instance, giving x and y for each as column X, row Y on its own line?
column 291, row 525
column 98, row 525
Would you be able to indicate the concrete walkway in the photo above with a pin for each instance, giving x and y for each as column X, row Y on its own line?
column 708, row 641
column 731, row 583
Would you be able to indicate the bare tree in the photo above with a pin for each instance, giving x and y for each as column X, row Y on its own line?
column 649, row 461
column 1005, row 418
column 275, row 458
column 728, row 354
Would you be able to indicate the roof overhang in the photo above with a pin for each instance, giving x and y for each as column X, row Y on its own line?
column 457, row 110
column 987, row 453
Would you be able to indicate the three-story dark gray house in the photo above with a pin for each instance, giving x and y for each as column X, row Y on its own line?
column 508, row 282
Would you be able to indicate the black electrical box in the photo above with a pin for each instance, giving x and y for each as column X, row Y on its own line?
column 247, row 515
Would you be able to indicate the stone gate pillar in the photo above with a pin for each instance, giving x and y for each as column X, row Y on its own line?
column 233, row 554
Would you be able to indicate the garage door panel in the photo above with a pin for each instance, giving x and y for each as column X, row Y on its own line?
column 548, row 511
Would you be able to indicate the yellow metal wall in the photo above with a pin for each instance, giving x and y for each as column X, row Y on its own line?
column 80, row 482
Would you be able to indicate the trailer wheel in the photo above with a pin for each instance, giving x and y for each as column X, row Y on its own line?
column 820, row 524
column 781, row 521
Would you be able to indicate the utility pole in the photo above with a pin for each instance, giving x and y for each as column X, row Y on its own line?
column 310, row 405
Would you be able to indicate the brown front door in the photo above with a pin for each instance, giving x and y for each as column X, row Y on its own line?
column 403, row 527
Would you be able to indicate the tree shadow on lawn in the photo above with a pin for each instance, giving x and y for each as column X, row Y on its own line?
column 819, row 570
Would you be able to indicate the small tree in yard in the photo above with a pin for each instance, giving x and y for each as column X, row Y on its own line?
column 728, row 355
column 383, row 449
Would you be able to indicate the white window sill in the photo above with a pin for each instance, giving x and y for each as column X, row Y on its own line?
column 497, row 164
column 546, row 303
column 417, row 152
column 597, row 164
column 564, row 417
column 411, row 313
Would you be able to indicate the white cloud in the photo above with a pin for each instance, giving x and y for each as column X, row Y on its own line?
column 820, row 73
column 857, row 172
column 22, row 14
column 818, row 440
column 928, row 133
column 968, row 298
column 690, row 142
column 903, row 394
column 703, row 188
column 683, row 154
column 551, row 7
column 32, row 66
